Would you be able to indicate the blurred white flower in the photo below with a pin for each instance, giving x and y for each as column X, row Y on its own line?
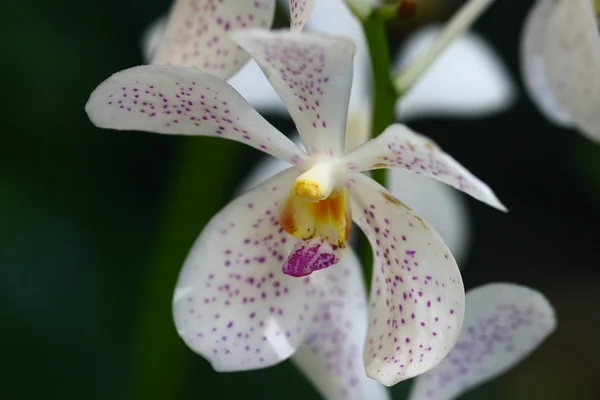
column 560, row 59
column 467, row 80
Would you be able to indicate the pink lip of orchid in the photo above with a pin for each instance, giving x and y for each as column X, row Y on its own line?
column 417, row 303
column 560, row 59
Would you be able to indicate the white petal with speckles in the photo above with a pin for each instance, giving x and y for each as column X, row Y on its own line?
column 331, row 356
column 441, row 206
column 313, row 76
column 467, row 79
column 232, row 304
column 186, row 101
column 299, row 13
column 197, row 33
column 417, row 295
column 533, row 64
column 503, row 324
column 572, row 61
column 398, row 146
column 333, row 17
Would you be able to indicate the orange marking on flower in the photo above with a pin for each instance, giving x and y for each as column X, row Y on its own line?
column 330, row 219
column 286, row 218
column 381, row 165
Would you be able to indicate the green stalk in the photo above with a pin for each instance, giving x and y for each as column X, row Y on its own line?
column 160, row 357
column 460, row 22
column 384, row 103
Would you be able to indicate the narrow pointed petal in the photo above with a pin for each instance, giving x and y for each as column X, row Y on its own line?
column 232, row 303
column 197, row 33
column 533, row 64
column 444, row 208
column 398, row 146
column 468, row 79
column 438, row 204
column 335, row 18
column 312, row 74
column 299, row 12
column 417, row 295
column 186, row 101
column 331, row 355
column 504, row 323
column 572, row 61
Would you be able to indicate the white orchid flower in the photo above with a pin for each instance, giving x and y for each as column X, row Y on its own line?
column 479, row 85
column 560, row 56
column 503, row 324
column 232, row 303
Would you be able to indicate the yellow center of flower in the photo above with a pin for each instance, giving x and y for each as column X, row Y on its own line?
column 316, row 207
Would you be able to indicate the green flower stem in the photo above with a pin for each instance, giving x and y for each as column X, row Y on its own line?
column 384, row 102
column 160, row 357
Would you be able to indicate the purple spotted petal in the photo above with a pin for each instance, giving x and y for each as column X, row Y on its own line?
column 504, row 323
column 417, row 294
column 312, row 74
column 398, row 146
column 232, row 303
column 186, row 101
column 572, row 61
column 197, row 33
column 299, row 13
column 332, row 354
column 309, row 256
column 533, row 64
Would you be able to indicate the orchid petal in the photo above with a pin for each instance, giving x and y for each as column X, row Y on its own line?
column 438, row 204
column 180, row 100
column 398, row 146
column 299, row 13
column 504, row 323
column 232, row 303
column 468, row 79
column 533, row 65
column 312, row 74
column 417, row 295
column 335, row 18
column 572, row 61
column 197, row 33
column 331, row 354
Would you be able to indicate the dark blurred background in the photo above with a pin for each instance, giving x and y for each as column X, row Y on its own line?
column 96, row 223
